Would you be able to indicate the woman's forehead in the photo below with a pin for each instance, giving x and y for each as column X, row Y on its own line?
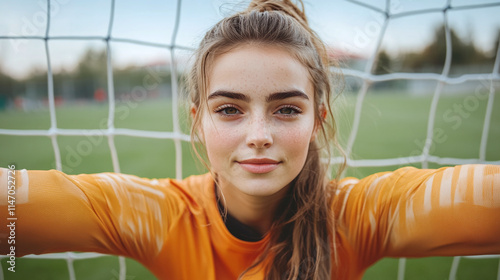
column 252, row 69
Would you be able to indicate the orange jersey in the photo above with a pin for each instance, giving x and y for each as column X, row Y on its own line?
column 175, row 230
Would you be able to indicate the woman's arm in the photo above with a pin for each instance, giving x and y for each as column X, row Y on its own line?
column 415, row 213
column 108, row 213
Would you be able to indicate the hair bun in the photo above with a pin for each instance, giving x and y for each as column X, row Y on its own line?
column 285, row 6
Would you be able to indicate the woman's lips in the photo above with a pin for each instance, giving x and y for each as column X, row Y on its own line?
column 259, row 165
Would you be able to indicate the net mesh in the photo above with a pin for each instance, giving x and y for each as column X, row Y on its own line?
column 366, row 75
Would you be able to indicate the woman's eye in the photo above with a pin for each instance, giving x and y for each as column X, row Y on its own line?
column 289, row 111
column 228, row 111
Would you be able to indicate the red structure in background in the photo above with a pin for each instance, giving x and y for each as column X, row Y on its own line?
column 100, row 95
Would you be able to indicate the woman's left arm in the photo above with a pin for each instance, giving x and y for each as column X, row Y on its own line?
column 451, row 211
column 416, row 212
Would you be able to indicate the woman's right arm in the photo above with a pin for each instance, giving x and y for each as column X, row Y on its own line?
column 49, row 211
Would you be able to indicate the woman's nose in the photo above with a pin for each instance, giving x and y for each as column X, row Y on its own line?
column 259, row 133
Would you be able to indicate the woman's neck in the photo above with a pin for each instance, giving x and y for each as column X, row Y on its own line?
column 256, row 212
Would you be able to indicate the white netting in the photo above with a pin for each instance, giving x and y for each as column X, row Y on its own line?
column 443, row 79
column 367, row 76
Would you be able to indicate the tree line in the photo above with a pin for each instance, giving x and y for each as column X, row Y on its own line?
column 431, row 58
column 85, row 81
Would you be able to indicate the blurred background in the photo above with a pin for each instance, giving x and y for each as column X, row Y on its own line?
column 70, row 68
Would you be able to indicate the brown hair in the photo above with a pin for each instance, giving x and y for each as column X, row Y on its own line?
column 303, row 227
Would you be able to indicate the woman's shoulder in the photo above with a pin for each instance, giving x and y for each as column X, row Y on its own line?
column 190, row 184
column 195, row 190
column 194, row 184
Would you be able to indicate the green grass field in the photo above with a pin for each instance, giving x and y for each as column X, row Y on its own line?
column 392, row 125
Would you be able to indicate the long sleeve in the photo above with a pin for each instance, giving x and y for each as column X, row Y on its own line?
column 108, row 213
column 415, row 213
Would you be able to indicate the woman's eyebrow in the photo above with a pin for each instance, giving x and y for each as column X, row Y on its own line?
column 272, row 97
column 228, row 94
column 286, row 94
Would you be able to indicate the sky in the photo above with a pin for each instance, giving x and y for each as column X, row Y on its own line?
column 345, row 26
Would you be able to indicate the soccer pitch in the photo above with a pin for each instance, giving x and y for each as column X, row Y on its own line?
column 391, row 126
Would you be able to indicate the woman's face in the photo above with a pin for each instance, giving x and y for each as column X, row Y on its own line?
column 260, row 119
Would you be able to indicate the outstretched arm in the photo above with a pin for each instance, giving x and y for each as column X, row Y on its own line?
column 107, row 213
column 415, row 213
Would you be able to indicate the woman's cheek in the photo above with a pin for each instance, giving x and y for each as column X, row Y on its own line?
column 298, row 135
column 220, row 140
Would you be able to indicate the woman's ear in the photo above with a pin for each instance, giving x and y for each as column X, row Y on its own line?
column 322, row 112
column 193, row 110
column 318, row 123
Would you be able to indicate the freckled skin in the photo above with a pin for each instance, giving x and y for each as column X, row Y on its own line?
column 258, row 131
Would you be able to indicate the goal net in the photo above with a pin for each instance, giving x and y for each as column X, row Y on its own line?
column 420, row 89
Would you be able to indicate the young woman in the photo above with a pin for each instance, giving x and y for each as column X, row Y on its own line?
column 260, row 90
